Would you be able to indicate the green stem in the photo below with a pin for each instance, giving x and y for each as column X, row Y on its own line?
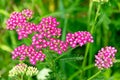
column 6, row 48
column 33, row 4
column 94, row 75
column 29, row 78
column 80, row 71
column 87, row 47
column 96, row 17
column 64, row 29
column 90, row 59
column 52, row 64
column 69, row 49
column 92, row 30
column 89, row 19
column 90, row 11
column 22, row 77
column 12, row 37
column 117, row 61
column 4, row 12
column 49, row 58
column 86, row 53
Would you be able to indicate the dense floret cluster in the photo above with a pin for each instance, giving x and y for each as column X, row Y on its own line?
column 23, row 69
column 80, row 37
column 105, row 57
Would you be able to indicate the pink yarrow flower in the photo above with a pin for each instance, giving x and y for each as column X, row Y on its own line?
column 27, row 28
column 58, row 45
column 54, row 44
column 16, row 20
column 48, row 27
column 24, row 51
column 105, row 57
column 80, row 37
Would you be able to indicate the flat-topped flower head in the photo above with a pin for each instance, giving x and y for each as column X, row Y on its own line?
column 19, row 69
column 16, row 20
column 25, row 30
column 54, row 44
column 23, row 69
column 24, row 51
column 80, row 37
column 58, row 45
column 48, row 27
column 31, row 71
column 105, row 57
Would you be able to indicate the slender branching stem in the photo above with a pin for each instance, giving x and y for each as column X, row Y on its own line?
column 117, row 61
column 80, row 71
column 92, row 30
column 94, row 75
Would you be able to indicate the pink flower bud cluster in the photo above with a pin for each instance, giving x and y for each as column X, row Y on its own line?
column 80, row 37
column 105, row 57
column 48, row 27
column 58, row 45
column 18, row 22
column 39, row 42
column 26, row 29
column 28, row 51
column 54, row 44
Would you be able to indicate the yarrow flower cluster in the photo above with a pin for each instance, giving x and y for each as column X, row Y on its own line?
column 105, row 57
column 80, row 38
column 58, row 45
column 48, row 27
column 18, row 21
column 25, row 30
column 28, row 51
column 46, row 34
column 23, row 69
column 54, row 44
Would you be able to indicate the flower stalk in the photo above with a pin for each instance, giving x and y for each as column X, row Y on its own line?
column 94, row 75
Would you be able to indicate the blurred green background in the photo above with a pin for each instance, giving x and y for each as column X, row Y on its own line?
column 73, row 16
